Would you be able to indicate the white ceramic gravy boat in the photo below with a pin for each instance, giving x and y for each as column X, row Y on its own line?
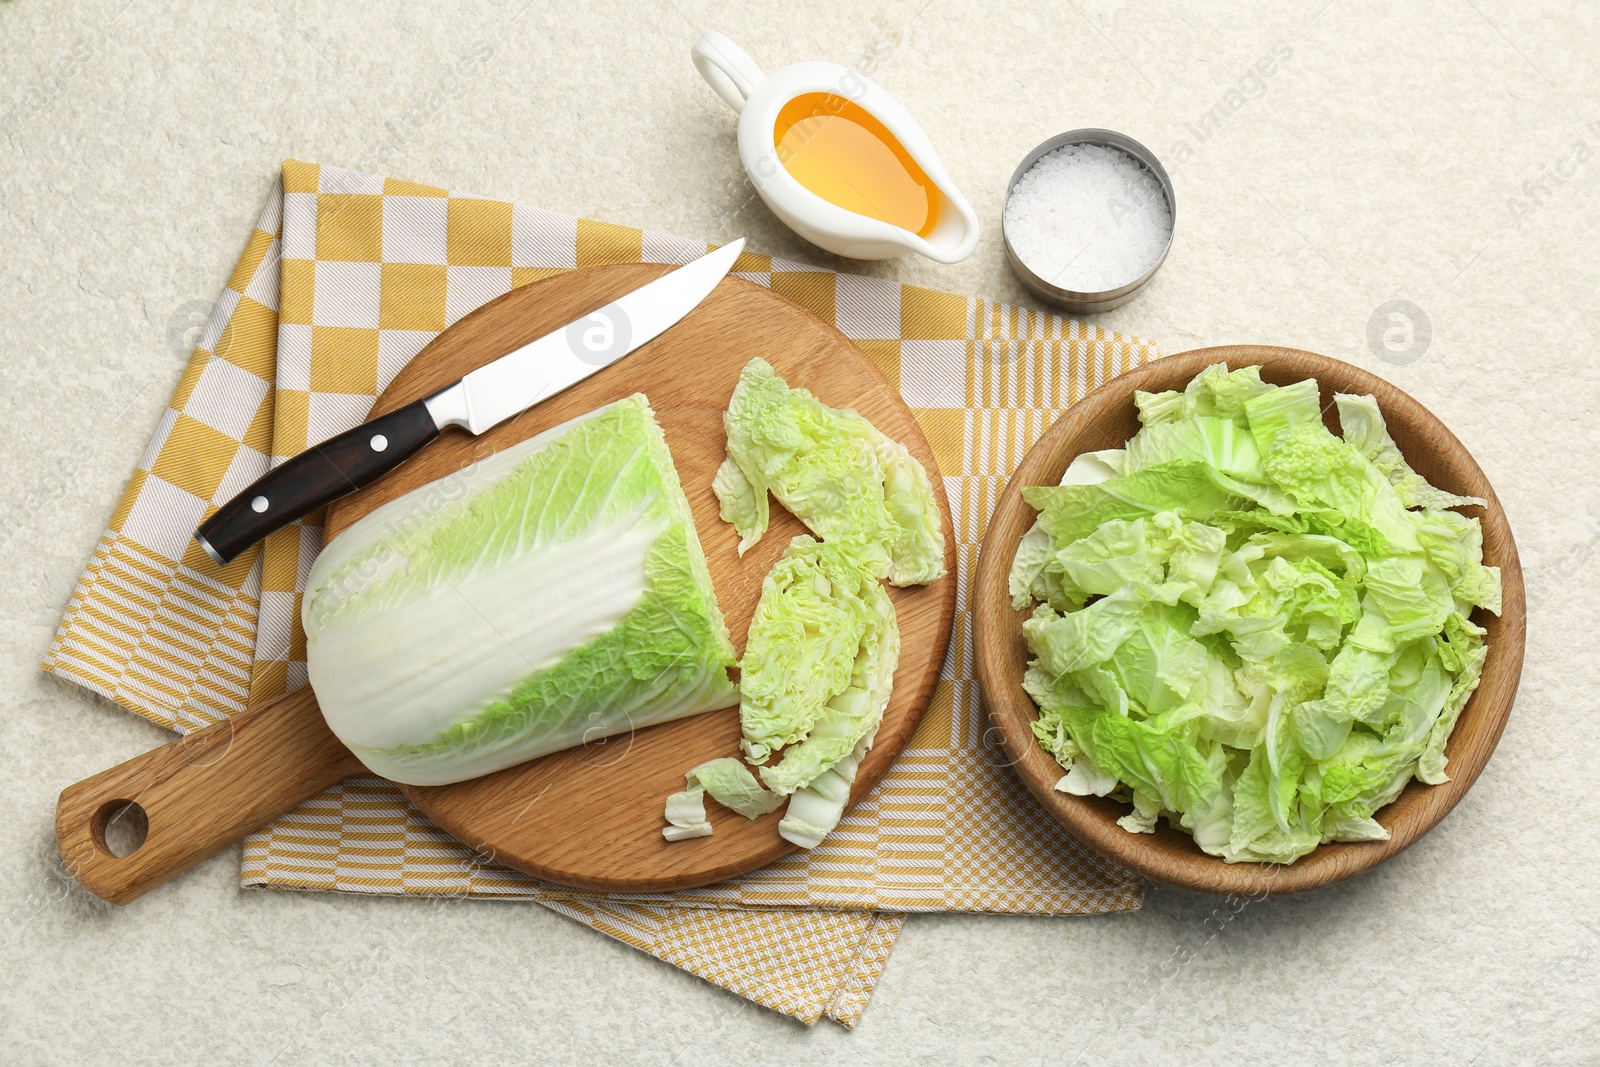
column 758, row 98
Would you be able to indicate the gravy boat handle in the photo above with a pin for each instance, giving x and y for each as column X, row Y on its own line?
column 726, row 67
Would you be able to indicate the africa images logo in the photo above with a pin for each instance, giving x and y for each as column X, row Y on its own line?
column 601, row 337
column 1399, row 332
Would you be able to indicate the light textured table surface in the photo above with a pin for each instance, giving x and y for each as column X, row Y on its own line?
column 1397, row 153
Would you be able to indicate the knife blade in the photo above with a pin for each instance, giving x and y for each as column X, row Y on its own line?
column 480, row 400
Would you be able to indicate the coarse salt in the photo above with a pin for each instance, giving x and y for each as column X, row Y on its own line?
column 1088, row 218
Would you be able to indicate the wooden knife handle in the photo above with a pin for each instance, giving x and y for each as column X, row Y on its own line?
column 200, row 794
column 318, row 476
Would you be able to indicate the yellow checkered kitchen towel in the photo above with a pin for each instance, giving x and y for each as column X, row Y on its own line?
column 345, row 278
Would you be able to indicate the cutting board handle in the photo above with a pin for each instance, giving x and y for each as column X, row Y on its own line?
column 200, row 794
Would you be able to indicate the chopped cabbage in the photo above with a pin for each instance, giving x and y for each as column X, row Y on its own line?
column 834, row 470
column 816, row 809
column 551, row 594
column 730, row 784
column 817, row 673
column 817, row 664
column 822, row 649
column 1248, row 624
column 818, row 588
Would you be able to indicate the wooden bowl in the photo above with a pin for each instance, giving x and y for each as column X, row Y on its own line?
column 1106, row 419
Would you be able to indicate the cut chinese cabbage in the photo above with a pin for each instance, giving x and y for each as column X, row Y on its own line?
column 822, row 648
column 1364, row 429
column 835, row 471
column 1248, row 624
column 730, row 784
column 817, row 672
column 1215, row 391
column 860, row 677
column 820, row 611
column 816, row 809
column 817, row 769
column 551, row 594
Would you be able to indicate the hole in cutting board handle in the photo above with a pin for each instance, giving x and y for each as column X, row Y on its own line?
column 119, row 828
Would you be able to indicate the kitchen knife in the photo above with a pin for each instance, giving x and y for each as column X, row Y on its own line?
column 484, row 398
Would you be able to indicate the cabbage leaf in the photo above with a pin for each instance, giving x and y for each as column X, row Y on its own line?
column 730, row 784
column 833, row 470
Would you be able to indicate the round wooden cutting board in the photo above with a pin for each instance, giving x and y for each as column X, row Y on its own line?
column 591, row 817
